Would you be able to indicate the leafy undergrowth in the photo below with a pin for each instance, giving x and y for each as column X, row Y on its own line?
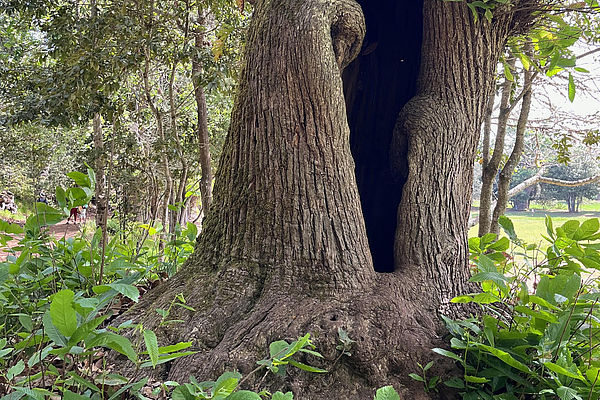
column 538, row 335
column 59, row 299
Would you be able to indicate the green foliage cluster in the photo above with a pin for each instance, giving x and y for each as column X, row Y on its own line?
column 537, row 333
column 57, row 304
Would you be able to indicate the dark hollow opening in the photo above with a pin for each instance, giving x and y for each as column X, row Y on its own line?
column 377, row 85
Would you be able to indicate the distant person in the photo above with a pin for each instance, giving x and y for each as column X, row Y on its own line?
column 83, row 212
column 42, row 198
column 74, row 212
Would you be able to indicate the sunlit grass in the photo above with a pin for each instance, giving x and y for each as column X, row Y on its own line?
column 530, row 225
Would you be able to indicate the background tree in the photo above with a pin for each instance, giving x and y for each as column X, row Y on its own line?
column 573, row 196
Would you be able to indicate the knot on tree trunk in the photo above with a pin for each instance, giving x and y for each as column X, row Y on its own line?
column 347, row 31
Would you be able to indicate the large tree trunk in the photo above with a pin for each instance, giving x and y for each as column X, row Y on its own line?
column 284, row 249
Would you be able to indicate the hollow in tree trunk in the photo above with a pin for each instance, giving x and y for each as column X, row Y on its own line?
column 285, row 248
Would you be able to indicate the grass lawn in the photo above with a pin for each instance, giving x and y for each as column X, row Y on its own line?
column 530, row 225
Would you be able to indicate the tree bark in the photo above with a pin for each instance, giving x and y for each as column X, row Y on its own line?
column 456, row 81
column 100, row 166
column 490, row 169
column 515, row 156
column 284, row 248
column 206, row 180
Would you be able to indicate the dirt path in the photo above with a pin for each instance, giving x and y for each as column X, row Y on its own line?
column 59, row 231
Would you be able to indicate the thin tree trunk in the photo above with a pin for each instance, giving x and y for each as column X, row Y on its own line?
column 100, row 165
column 490, row 169
column 202, row 112
column 515, row 156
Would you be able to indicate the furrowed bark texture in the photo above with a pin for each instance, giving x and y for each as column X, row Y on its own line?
column 202, row 115
column 441, row 124
column 284, row 249
column 287, row 192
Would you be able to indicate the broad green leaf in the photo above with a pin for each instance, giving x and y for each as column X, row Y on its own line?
column 85, row 329
column 571, row 88
column 486, row 298
column 248, row 395
column 79, row 178
column 151, row 346
column 68, row 395
column 174, row 347
column 505, row 357
column 281, row 396
column 587, row 229
column 113, row 341
column 43, row 215
column 15, row 370
column 305, row 367
column 416, row 377
column 462, row 299
column 508, row 227
column 563, row 371
column 387, row 393
column 52, row 332
column 62, row 312
column 566, row 393
column 448, row 354
column 501, row 244
column 225, row 384
column 475, row 379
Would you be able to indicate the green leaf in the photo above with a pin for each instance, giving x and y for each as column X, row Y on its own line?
column 587, row 229
column 455, row 383
column 563, row 371
column 448, row 354
column 248, row 395
column 151, row 345
column 174, row 347
column 278, row 348
column 571, row 88
column 115, row 342
column 15, row 370
column 305, row 367
column 62, row 312
column 61, row 197
column 475, row 379
column 505, row 357
column 462, row 299
column 43, row 215
column 508, row 227
column 68, row 395
column 226, row 384
column 416, row 377
column 52, row 332
column 281, row 396
column 566, row 393
column 79, row 178
column 486, row 298
column 85, row 329
column 387, row 393
column 501, row 244
column 26, row 322
column 129, row 291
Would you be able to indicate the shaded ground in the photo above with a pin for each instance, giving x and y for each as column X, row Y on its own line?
column 59, row 231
